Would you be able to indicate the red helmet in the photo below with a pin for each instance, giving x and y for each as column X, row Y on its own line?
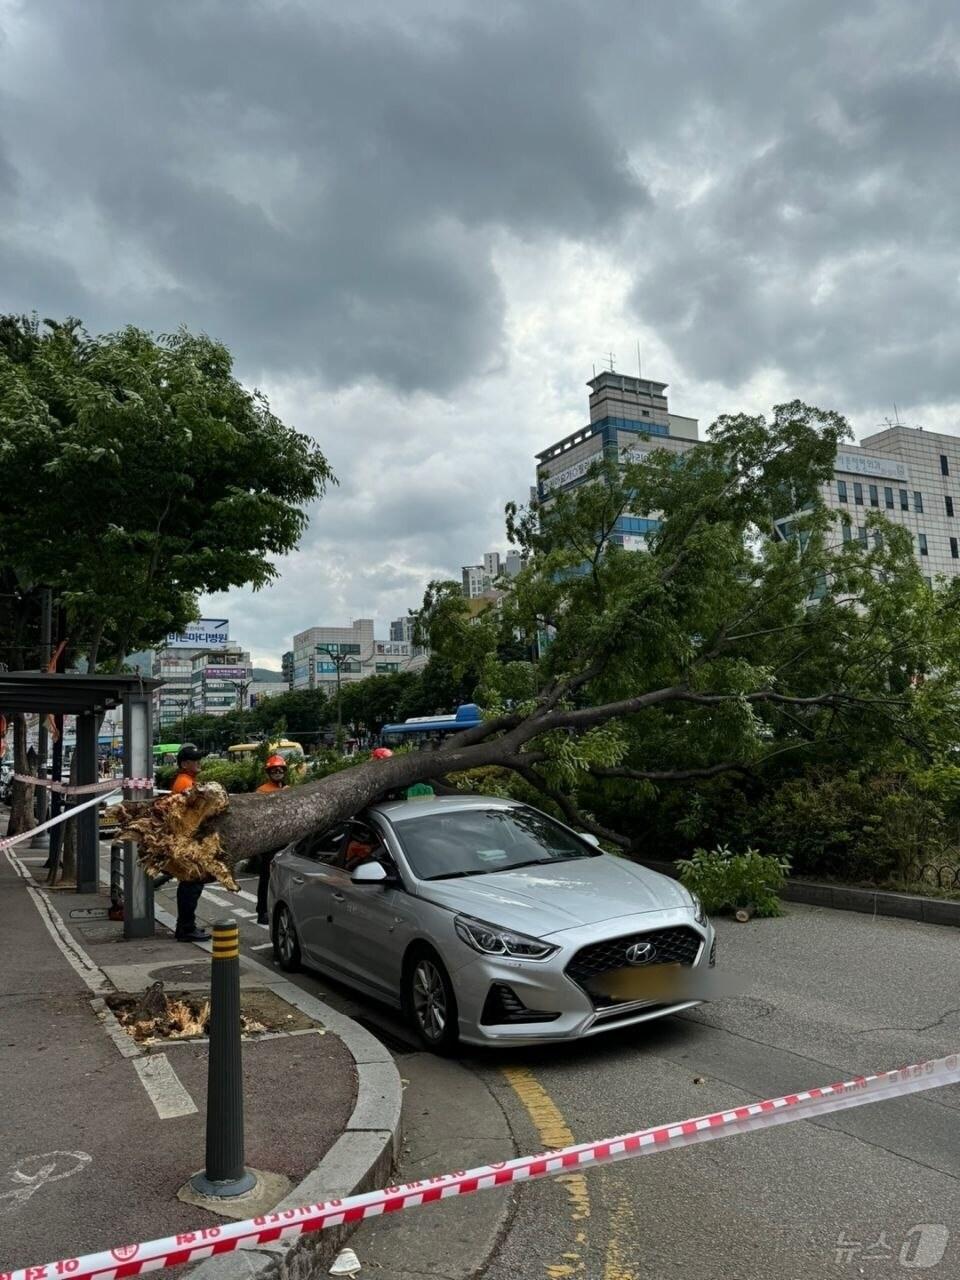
column 381, row 753
column 275, row 762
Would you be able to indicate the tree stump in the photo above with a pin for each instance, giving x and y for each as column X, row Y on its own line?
column 743, row 914
column 153, row 1004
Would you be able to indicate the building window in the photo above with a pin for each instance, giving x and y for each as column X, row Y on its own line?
column 904, row 500
column 858, row 493
column 888, row 497
column 842, row 490
column 954, row 549
column 918, row 501
column 948, row 503
column 928, row 582
column 874, row 496
column 877, row 540
column 922, row 539
column 944, row 465
column 819, row 587
column 862, row 533
column 847, row 531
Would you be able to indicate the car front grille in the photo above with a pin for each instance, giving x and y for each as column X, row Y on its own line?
column 678, row 945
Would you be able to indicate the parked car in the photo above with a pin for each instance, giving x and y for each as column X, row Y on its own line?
column 486, row 921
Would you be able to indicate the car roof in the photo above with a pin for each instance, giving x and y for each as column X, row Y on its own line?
column 397, row 811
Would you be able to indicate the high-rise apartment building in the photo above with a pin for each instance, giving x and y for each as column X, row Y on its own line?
column 629, row 417
column 479, row 579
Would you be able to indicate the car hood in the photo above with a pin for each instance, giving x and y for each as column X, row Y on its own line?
column 548, row 899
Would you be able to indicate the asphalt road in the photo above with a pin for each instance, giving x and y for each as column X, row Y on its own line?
column 825, row 995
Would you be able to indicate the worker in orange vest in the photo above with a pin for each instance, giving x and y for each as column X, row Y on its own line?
column 276, row 768
column 188, row 891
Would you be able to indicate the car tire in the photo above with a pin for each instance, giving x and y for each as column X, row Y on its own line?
column 286, row 944
column 429, row 1001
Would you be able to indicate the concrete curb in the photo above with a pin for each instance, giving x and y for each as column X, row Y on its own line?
column 361, row 1159
column 841, row 897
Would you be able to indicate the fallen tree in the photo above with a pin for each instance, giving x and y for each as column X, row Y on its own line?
column 717, row 649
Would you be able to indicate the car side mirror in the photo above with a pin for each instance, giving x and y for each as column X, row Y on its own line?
column 370, row 873
column 590, row 838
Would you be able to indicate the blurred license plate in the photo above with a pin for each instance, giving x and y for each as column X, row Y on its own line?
column 654, row 982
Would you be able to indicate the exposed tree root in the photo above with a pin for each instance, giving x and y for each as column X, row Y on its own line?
column 168, row 836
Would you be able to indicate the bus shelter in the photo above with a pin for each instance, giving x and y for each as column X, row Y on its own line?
column 87, row 697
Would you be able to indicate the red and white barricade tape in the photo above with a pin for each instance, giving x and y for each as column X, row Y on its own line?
column 85, row 788
column 287, row 1224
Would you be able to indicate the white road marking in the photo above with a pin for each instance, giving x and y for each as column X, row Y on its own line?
column 30, row 1173
column 163, row 1087
column 126, row 1044
column 244, row 914
column 262, row 946
column 78, row 960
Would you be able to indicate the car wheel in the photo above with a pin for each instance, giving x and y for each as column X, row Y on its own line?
column 286, row 944
column 430, row 1002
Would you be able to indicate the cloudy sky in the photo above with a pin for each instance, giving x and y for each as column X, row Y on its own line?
column 419, row 223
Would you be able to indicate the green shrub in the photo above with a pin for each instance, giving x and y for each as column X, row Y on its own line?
column 725, row 880
column 164, row 776
column 233, row 775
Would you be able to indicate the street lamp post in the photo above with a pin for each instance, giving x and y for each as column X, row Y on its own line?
column 339, row 661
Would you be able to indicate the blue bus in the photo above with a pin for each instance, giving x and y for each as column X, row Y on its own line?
column 425, row 732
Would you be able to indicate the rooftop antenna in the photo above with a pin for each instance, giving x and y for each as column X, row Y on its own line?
column 639, row 371
column 611, row 361
column 896, row 415
column 594, row 371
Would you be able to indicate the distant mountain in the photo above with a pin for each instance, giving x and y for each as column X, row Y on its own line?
column 264, row 673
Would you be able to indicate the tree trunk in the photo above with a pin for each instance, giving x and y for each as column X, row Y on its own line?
column 204, row 832
column 21, row 809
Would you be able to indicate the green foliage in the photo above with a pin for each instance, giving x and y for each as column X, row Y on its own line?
column 233, row 775
column 147, row 474
column 860, row 827
column 164, row 776
column 725, row 880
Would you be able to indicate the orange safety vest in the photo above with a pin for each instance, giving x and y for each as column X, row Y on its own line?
column 270, row 785
column 183, row 782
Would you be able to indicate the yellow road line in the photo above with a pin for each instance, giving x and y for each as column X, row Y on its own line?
column 554, row 1132
column 622, row 1224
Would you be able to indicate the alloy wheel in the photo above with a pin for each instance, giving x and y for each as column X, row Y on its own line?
column 429, row 1000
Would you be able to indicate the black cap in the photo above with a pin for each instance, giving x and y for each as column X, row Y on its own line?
column 189, row 751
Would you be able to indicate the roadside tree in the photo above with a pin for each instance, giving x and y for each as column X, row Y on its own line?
column 717, row 649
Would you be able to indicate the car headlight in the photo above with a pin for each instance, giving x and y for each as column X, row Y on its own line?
column 698, row 912
column 490, row 940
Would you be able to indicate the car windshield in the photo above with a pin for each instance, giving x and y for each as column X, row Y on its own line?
column 473, row 842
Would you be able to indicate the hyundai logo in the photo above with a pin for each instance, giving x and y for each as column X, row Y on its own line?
column 641, row 953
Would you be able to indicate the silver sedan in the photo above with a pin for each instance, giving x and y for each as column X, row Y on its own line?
column 487, row 921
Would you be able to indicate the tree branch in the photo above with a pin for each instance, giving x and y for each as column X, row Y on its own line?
column 566, row 805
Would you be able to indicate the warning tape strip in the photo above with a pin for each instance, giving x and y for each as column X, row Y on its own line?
column 287, row 1224
column 9, row 841
column 85, row 788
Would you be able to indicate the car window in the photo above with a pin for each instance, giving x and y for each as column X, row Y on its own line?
column 363, row 844
column 469, row 842
column 325, row 847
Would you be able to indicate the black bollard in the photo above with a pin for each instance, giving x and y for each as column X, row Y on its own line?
column 225, row 1173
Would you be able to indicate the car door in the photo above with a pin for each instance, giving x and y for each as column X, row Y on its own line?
column 312, row 885
column 373, row 923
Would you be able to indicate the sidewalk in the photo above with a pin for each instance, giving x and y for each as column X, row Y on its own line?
column 100, row 1132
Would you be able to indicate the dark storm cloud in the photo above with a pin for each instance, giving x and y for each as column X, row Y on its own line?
column 820, row 239
column 322, row 195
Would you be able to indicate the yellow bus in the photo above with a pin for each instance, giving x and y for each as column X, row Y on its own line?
column 247, row 750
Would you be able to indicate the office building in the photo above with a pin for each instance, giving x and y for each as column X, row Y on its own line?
column 355, row 650
column 220, row 680
column 629, row 417
column 910, row 476
column 260, row 690
column 173, row 664
column 286, row 668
